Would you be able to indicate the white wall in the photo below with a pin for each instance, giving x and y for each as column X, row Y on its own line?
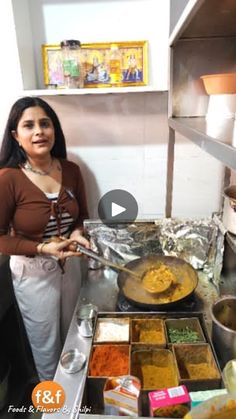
column 10, row 73
column 105, row 21
column 120, row 141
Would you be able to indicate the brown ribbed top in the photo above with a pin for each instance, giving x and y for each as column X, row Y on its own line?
column 25, row 209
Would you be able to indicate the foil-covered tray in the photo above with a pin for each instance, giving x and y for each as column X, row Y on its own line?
column 199, row 242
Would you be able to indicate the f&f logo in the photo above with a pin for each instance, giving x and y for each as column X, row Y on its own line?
column 48, row 396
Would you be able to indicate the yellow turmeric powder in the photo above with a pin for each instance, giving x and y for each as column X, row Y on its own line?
column 201, row 371
column 149, row 331
column 151, row 336
column 154, row 377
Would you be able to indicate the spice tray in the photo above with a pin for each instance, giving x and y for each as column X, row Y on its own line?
column 147, row 349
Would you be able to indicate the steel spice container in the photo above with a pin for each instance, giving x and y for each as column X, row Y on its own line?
column 224, row 328
column 86, row 316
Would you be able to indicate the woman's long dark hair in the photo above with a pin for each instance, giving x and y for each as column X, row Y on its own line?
column 11, row 154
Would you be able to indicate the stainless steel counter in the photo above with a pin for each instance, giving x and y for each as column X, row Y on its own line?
column 100, row 288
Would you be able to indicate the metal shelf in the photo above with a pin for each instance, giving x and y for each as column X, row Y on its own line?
column 216, row 140
column 204, row 19
column 202, row 42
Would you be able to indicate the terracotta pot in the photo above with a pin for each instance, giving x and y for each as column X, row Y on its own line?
column 217, row 84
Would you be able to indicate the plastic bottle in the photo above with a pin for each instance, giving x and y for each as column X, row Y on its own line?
column 72, row 64
column 115, row 65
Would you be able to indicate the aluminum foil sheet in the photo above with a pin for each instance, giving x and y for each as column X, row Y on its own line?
column 199, row 242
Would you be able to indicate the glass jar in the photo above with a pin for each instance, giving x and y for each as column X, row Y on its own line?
column 72, row 64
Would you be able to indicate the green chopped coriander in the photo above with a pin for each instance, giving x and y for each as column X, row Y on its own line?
column 184, row 335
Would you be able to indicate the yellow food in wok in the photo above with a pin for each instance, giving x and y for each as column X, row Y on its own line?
column 159, row 279
column 183, row 280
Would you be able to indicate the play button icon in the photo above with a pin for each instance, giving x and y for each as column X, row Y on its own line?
column 117, row 206
column 116, row 209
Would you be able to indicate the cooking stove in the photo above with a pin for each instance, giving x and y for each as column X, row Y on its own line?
column 192, row 303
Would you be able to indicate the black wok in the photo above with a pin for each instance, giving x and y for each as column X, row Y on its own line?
column 135, row 293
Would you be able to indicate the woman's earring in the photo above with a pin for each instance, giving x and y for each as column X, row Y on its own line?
column 19, row 144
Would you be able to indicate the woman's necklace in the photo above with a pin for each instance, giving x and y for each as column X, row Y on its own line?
column 27, row 166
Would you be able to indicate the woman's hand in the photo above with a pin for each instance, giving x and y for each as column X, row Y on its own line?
column 61, row 247
column 58, row 247
column 78, row 238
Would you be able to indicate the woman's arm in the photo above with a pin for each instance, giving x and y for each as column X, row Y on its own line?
column 10, row 244
column 17, row 246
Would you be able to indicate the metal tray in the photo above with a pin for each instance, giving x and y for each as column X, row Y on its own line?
column 93, row 391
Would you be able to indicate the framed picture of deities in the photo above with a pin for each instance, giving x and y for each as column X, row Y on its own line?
column 96, row 64
column 52, row 65
column 133, row 58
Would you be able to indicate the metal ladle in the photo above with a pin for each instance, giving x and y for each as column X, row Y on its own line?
column 160, row 286
column 105, row 261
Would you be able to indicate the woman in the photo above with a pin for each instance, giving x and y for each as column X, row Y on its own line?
column 42, row 195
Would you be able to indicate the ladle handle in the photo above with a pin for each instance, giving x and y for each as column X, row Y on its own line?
column 94, row 255
column 104, row 261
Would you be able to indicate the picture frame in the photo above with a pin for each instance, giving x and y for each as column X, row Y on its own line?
column 96, row 56
column 52, row 65
column 133, row 63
